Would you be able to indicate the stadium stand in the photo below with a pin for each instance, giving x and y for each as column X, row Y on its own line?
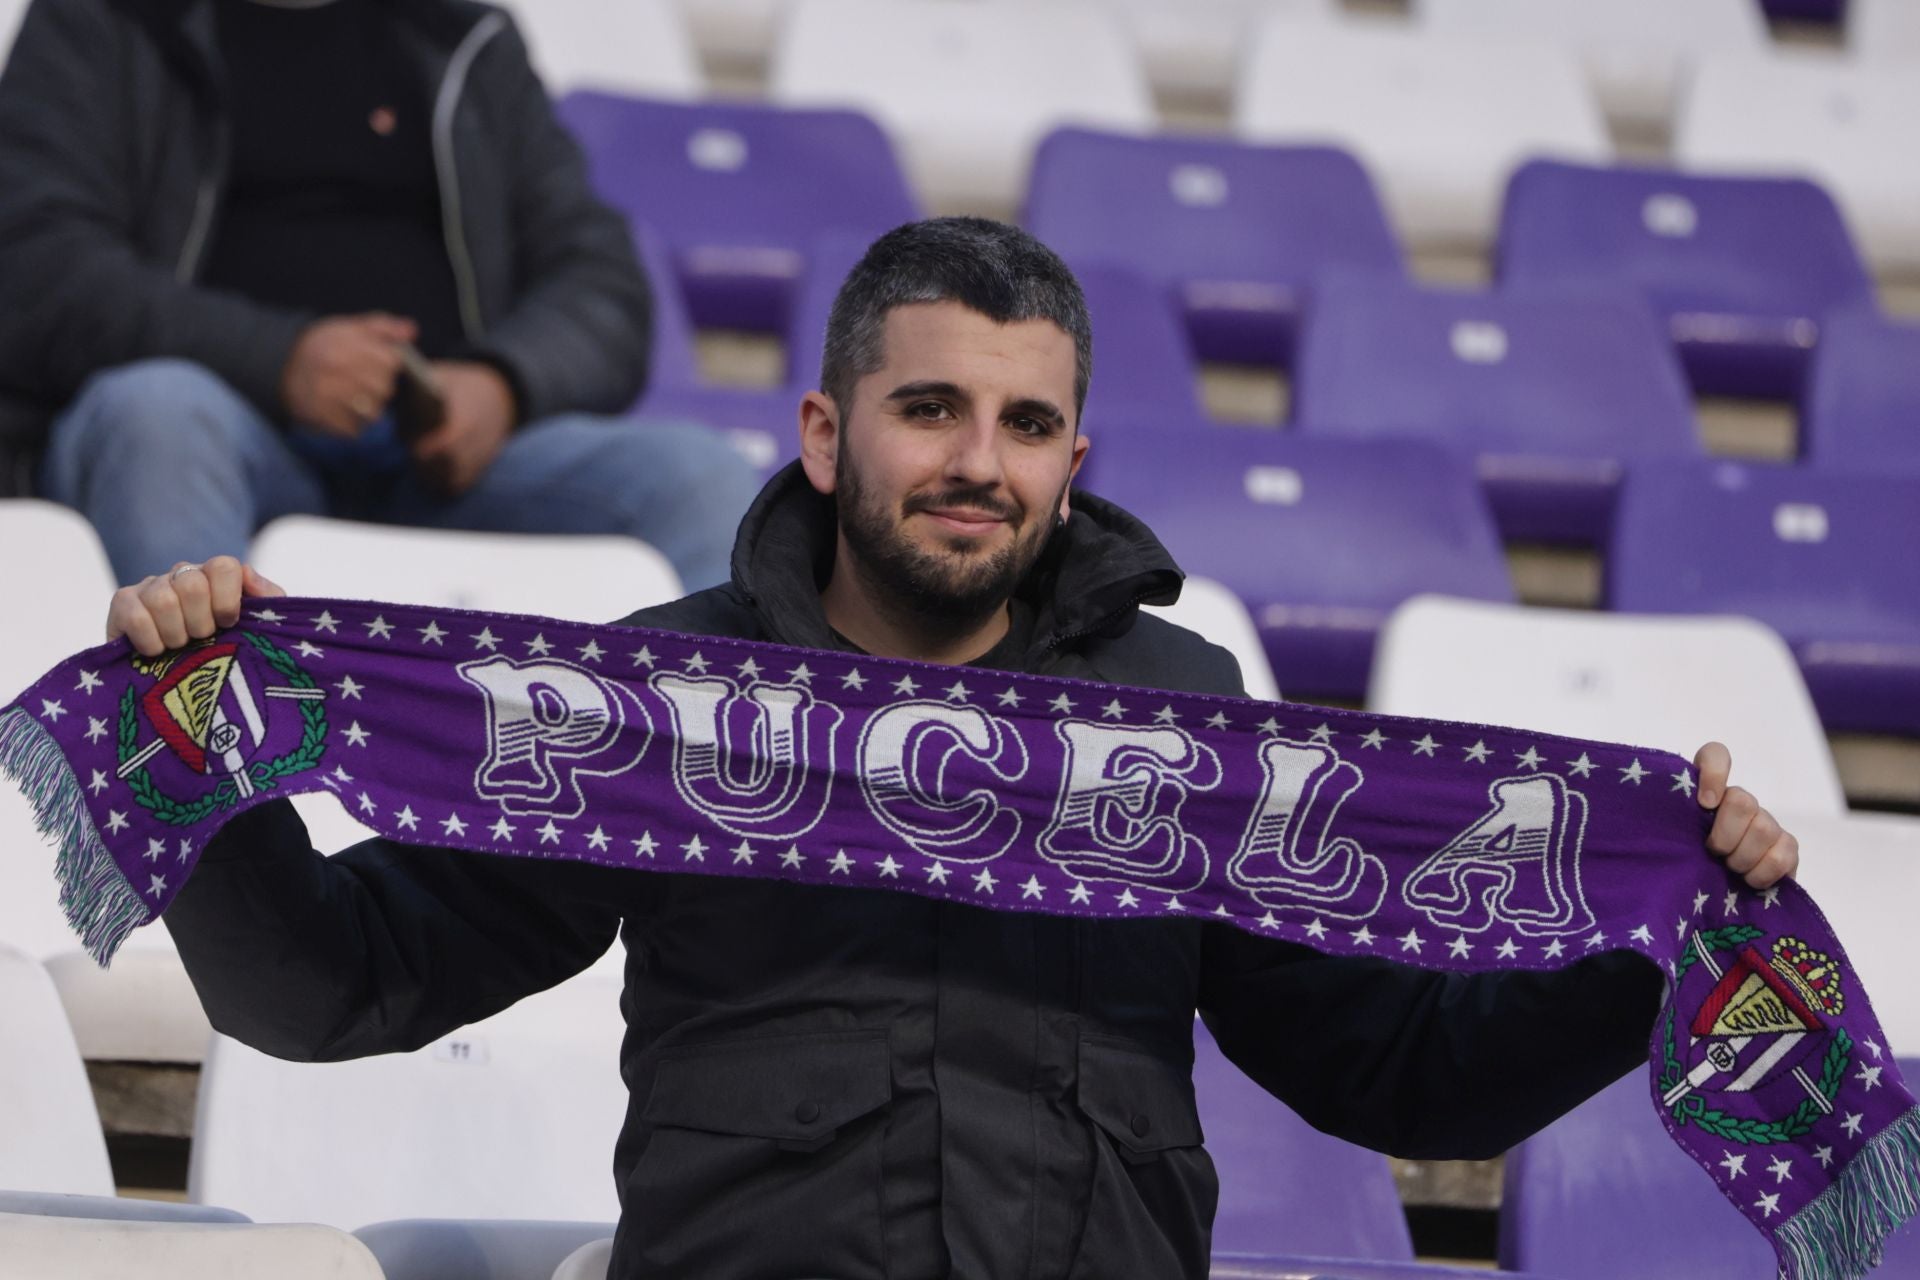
column 739, row 192
column 1705, row 251
column 1666, row 682
column 1822, row 11
column 1387, row 519
column 635, row 46
column 1884, row 31
column 1562, row 1210
column 877, row 54
column 1865, row 870
column 1554, row 389
column 1824, row 558
column 53, row 1140
column 1637, row 53
column 1194, row 49
column 588, row 1262
column 512, row 1117
column 1439, row 123
column 1862, row 404
column 1286, row 1188
column 54, row 1204
column 1211, row 610
column 62, row 1247
column 1234, row 231
column 455, row 1249
column 1846, row 125
column 1147, row 376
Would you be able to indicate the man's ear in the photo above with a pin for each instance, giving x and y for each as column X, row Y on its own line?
column 1080, row 446
column 819, row 439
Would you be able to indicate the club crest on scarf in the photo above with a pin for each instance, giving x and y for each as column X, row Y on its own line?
column 1760, row 1058
column 227, row 720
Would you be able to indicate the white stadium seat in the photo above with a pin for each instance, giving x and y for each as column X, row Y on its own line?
column 1194, row 47
column 620, row 46
column 965, row 89
column 1850, row 128
column 588, row 1262
column 1216, row 613
column 1884, row 31
column 1637, row 53
column 737, row 32
column 64, row 1248
column 513, row 1117
column 1672, row 683
column 580, row 579
column 143, row 1008
column 468, row 1249
column 1864, row 871
column 1439, row 123
column 50, row 1136
column 11, row 12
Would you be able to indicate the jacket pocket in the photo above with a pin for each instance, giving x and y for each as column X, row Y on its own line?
column 1150, row 1205
column 762, row 1159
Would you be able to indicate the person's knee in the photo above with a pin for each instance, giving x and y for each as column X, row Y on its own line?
column 174, row 403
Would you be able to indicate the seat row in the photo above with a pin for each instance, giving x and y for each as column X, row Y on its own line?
column 442, row 1162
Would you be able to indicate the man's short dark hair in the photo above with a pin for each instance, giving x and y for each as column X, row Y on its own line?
column 990, row 267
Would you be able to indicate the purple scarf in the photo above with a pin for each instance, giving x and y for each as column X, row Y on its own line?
column 1448, row 846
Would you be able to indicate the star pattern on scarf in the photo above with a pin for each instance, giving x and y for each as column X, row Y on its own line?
column 937, row 873
column 406, row 818
column 888, row 868
column 694, row 850
column 598, row 839
column 1424, row 745
column 1218, row 720
column 326, row 622
column 89, row 681
column 52, row 710
column 1478, row 752
column 432, row 634
column 502, row 829
column 1583, row 766
column 96, row 728
column 984, row 881
column 1008, row 697
column 1633, row 772
column 1530, row 759
column 307, row 649
column 1032, row 888
column 743, row 852
column 486, row 640
column 539, row 646
column 1113, row 710
column 840, row 864
column 349, row 687
column 379, row 628
column 591, row 651
column 549, row 833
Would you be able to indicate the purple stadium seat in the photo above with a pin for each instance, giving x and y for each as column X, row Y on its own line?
column 738, row 192
column 1862, row 406
column 1248, row 1267
column 1143, row 370
column 1741, row 268
column 1824, row 558
column 1829, row 11
column 1321, row 539
column 1554, row 389
column 1235, row 230
column 1285, row 1186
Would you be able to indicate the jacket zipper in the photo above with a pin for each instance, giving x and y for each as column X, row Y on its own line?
column 444, row 106
column 1057, row 640
column 198, row 229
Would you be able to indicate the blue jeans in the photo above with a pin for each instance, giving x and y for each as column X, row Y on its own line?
column 171, row 464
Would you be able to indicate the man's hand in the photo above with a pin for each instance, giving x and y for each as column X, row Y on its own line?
column 479, row 418
column 340, row 374
column 1752, row 840
column 188, row 602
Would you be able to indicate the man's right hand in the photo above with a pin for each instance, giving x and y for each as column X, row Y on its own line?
column 341, row 372
column 188, row 602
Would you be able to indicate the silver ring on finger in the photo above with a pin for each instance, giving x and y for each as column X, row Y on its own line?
column 184, row 568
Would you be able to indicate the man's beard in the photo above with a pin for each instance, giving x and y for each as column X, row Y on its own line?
column 943, row 592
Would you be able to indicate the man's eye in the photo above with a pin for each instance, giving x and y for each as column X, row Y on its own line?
column 1032, row 426
column 929, row 411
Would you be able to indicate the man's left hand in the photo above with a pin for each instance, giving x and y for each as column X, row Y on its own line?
column 1752, row 840
column 479, row 418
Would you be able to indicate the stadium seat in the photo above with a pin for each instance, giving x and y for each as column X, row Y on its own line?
column 1554, row 389
column 1244, row 1267
column 53, row 1204
column 1823, row 11
column 1848, row 127
column 1884, row 31
column 1035, row 66
column 1320, row 539
column 11, row 11
column 733, row 33
column 1705, row 250
column 1235, row 231
column 589, row 1262
column 1824, row 558
column 1193, row 49
column 513, row 1117
column 1637, row 53
column 74, row 1247
column 1862, row 405
column 1285, row 1187
column 53, row 1140
column 1864, row 871
column 577, row 578
column 1210, row 610
column 1439, row 123
column 143, row 1008
column 739, row 192
column 1604, row 1192
column 1144, row 376
column 634, row 46
column 1665, row 682
column 466, row 1249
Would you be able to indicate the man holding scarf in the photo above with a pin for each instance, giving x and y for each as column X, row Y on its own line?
column 1008, row 1094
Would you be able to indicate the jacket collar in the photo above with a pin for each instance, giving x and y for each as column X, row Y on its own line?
column 1090, row 581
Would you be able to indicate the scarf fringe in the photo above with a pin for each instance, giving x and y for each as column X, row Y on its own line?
column 1840, row 1236
column 99, row 903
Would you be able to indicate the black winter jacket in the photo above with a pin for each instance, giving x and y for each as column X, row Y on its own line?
column 1005, row 1095
column 113, row 159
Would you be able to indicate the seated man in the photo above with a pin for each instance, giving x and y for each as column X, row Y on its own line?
column 223, row 222
column 999, row 1073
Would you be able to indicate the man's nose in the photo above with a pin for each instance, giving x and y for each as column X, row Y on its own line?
column 974, row 456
